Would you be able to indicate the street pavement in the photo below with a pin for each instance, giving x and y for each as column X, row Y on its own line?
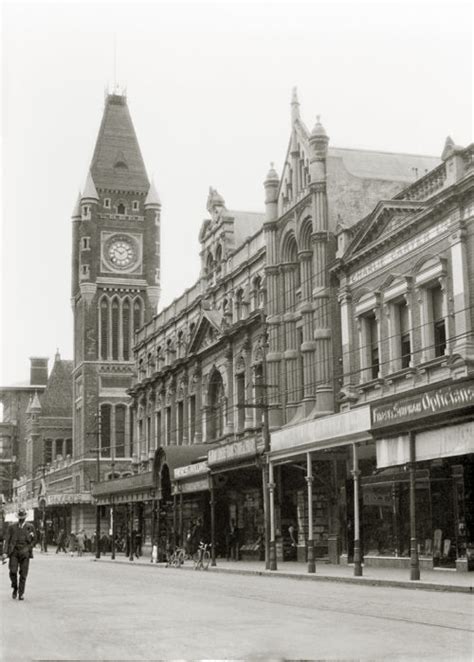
column 81, row 609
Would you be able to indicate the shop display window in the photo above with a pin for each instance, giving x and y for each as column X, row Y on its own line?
column 386, row 518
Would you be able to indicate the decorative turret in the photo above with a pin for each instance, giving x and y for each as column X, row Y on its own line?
column 455, row 165
column 271, row 185
column 318, row 142
column 35, row 405
column 152, row 199
column 215, row 204
column 90, row 191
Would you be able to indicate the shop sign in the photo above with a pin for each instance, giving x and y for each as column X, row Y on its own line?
column 411, row 408
column 191, row 470
column 376, row 497
column 192, row 486
column 65, row 499
column 232, row 452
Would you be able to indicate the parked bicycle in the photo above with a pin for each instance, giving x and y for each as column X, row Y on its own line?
column 176, row 558
column 202, row 557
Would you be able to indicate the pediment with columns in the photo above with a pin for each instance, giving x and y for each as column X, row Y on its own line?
column 388, row 219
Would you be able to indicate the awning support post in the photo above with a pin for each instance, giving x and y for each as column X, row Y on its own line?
column 309, row 480
column 414, row 560
column 271, row 487
column 357, row 551
column 213, row 521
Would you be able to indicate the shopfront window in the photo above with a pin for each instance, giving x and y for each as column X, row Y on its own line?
column 386, row 515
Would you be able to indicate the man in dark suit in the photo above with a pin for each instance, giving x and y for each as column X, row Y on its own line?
column 19, row 548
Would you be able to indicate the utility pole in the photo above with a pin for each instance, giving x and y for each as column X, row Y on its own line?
column 97, row 510
column 112, row 507
column 266, row 450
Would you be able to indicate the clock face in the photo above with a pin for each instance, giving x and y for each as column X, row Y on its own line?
column 121, row 252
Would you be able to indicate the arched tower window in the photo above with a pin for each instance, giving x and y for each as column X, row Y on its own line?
column 126, row 329
column 216, row 399
column 137, row 314
column 115, row 329
column 104, row 329
column 105, row 430
column 120, row 411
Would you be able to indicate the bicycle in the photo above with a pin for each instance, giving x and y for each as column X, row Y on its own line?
column 176, row 558
column 202, row 557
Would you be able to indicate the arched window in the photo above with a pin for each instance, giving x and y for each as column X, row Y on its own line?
column 120, row 430
column 121, row 209
column 126, row 329
column 239, row 295
column 216, row 400
column 137, row 314
column 105, row 430
column 104, row 329
column 115, row 329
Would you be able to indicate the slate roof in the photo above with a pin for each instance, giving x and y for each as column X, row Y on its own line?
column 246, row 224
column 388, row 166
column 57, row 397
column 117, row 162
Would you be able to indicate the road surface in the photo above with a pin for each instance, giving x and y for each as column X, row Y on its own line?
column 80, row 609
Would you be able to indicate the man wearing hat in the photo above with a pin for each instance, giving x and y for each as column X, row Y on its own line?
column 19, row 548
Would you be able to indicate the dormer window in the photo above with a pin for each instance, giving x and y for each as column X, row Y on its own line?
column 107, row 203
column 135, row 205
column 121, row 209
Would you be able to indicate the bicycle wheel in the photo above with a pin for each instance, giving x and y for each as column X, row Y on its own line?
column 196, row 560
column 206, row 558
column 180, row 558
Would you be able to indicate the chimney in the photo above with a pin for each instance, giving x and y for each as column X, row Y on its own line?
column 38, row 370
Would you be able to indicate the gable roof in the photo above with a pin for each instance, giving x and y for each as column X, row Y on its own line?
column 209, row 319
column 387, row 219
column 246, row 224
column 117, row 162
column 57, row 397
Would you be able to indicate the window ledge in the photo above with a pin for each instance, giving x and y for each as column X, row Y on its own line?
column 379, row 382
column 436, row 362
column 404, row 373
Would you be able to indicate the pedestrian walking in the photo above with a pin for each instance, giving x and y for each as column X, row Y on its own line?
column 19, row 544
column 62, row 540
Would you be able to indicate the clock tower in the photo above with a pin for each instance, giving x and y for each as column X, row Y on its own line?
column 115, row 290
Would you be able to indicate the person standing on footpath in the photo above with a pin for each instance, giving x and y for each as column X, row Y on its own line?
column 19, row 544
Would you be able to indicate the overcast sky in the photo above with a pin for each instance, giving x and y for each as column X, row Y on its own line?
column 208, row 88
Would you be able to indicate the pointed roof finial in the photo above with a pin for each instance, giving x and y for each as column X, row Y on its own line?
column 295, row 105
column 152, row 199
column 272, row 175
column 318, row 129
column 35, row 405
column 57, row 356
column 90, row 190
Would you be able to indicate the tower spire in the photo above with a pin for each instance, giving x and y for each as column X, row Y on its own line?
column 295, row 105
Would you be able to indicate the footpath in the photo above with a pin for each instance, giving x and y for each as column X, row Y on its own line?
column 431, row 580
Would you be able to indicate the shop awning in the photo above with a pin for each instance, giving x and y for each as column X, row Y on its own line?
column 321, row 433
column 128, row 484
